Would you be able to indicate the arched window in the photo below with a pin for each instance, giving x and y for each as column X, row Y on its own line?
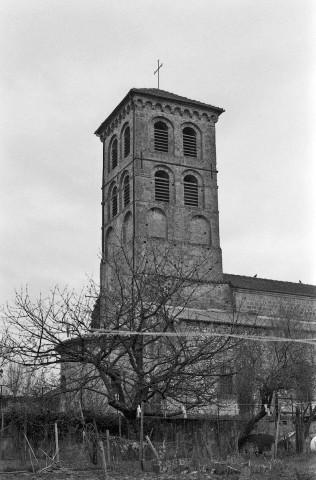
column 156, row 223
column 189, row 142
column 200, row 231
column 114, row 202
column 191, row 193
column 161, row 186
column 126, row 191
column 114, row 154
column 127, row 141
column 161, row 137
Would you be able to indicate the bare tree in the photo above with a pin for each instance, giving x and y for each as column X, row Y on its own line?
column 126, row 356
column 275, row 368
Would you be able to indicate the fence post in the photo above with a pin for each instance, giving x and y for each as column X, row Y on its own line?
column 25, row 436
column 57, row 445
column 103, row 460
column 197, row 454
column 275, row 450
column 141, row 437
column 108, row 446
column 120, row 424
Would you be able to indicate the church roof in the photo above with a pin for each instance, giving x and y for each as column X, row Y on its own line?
column 266, row 285
column 156, row 93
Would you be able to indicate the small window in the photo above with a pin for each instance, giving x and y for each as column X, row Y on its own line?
column 161, row 137
column 127, row 141
column 114, row 154
column 226, row 384
column 162, row 186
column 126, row 191
column 114, row 202
column 191, row 194
column 189, row 142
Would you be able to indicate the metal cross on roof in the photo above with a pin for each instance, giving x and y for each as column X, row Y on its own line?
column 159, row 66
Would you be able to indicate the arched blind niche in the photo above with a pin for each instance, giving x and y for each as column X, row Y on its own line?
column 156, row 223
column 110, row 243
column 127, row 229
column 161, row 137
column 200, row 230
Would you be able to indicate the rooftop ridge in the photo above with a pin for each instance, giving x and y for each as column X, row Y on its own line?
column 268, row 279
column 269, row 285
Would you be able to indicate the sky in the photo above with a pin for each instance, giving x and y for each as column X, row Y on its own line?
column 65, row 65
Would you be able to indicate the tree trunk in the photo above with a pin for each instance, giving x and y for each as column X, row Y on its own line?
column 266, row 395
column 249, row 427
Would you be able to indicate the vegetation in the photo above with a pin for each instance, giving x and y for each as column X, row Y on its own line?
column 137, row 363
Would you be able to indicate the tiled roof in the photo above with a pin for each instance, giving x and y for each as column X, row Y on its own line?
column 172, row 96
column 266, row 285
column 155, row 92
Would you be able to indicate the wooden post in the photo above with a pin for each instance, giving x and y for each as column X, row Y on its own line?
column 103, row 460
column 25, row 437
column 108, row 451
column 31, row 450
column 57, row 445
column 198, row 455
column 2, row 425
column 120, row 424
column 275, row 451
column 206, row 446
column 153, row 449
column 141, row 437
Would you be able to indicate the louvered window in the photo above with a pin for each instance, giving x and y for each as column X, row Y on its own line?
column 162, row 186
column 127, row 141
column 114, row 154
column 191, row 194
column 126, row 191
column 114, row 202
column 161, row 137
column 189, row 142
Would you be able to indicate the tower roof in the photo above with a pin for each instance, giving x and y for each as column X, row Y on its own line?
column 157, row 93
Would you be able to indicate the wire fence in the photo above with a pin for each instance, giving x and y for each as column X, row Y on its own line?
column 162, row 445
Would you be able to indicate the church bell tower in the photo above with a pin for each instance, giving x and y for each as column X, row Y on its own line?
column 159, row 175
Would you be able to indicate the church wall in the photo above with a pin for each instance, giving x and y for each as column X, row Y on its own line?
column 275, row 304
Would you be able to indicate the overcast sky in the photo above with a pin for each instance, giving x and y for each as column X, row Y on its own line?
column 65, row 64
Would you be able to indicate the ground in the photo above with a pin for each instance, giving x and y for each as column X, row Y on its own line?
column 290, row 468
